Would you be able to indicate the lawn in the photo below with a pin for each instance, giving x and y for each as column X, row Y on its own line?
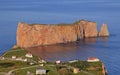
column 18, row 52
column 51, row 70
column 8, row 65
column 65, row 68
column 24, row 71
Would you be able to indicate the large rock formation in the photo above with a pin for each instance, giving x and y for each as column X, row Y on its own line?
column 89, row 29
column 29, row 35
column 104, row 30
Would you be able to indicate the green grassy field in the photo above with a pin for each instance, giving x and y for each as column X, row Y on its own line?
column 8, row 65
column 52, row 69
column 19, row 52
column 65, row 68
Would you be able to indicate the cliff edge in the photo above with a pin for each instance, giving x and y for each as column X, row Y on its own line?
column 29, row 35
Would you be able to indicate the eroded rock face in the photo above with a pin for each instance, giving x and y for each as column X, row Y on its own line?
column 89, row 29
column 104, row 30
column 29, row 35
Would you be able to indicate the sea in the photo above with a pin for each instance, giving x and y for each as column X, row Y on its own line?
column 107, row 49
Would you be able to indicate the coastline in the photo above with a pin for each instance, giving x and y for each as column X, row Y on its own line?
column 7, row 56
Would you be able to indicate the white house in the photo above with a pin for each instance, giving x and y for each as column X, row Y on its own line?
column 14, row 57
column 19, row 58
column 29, row 73
column 41, row 64
column 58, row 62
column 25, row 60
column 93, row 59
column 42, row 61
column 31, row 63
column 3, row 58
column 76, row 70
column 29, row 55
column 41, row 71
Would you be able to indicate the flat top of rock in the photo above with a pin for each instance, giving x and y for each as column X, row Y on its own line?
column 60, row 24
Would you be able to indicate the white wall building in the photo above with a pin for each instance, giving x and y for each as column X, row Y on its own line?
column 93, row 59
column 29, row 55
column 40, row 71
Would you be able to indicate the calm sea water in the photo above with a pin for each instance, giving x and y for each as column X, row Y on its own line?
column 65, row 11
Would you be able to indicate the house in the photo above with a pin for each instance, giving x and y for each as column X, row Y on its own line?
column 41, row 71
column 29, row 73
column 41, row 64
column 75, row 70
column 19, row 58
column 25, row 60
column 2, row 58
column 42, row 61
column 58, row 62
column 31, row 63
column 29, row 55
column 14, row 57
column 93, row 59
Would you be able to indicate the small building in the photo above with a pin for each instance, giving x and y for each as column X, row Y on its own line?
column 31, row 63
column 41, row 71
column 29, row 55
column 14, row 57
column 93, row 59
column 41, row 64
column 19, row 58
column 2, row 58
column 29, row 73
column 58, row 62
column 25, row 60
column 75, row 70
column 42, row 61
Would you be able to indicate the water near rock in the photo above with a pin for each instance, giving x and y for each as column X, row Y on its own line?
column 66, row 11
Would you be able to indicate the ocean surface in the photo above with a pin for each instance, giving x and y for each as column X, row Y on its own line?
column 107, row 49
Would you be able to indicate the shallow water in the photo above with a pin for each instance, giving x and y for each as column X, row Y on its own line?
column 65, row 11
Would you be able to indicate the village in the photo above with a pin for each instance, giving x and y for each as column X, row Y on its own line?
column 21, row 62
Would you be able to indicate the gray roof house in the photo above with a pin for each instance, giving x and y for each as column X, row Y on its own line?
column 41, row 71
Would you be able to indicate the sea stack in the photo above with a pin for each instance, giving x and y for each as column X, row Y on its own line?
column 104, row 30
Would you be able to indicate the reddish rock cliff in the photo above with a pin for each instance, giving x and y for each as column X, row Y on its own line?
column 29, row 35
column 89, row 29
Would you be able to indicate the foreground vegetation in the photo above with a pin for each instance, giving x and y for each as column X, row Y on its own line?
column 67, row 69
column 18, row 52
column 8, row 65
